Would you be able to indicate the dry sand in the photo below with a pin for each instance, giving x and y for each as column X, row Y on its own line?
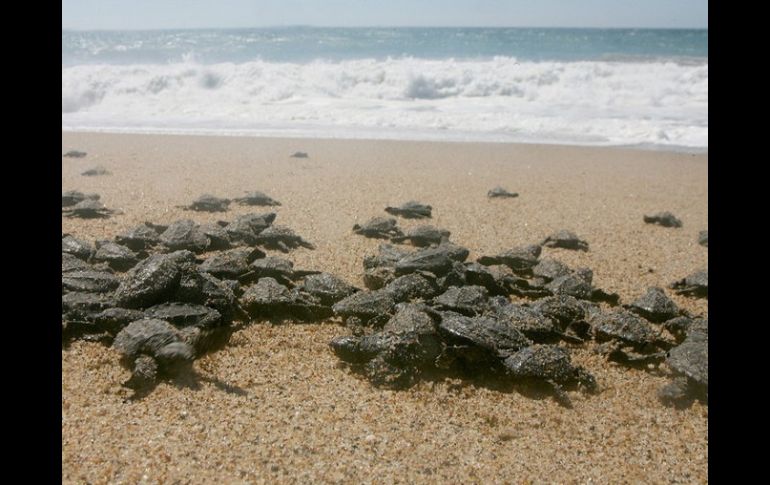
column 275, row 406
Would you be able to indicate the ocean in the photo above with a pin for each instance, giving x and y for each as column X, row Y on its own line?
column 606, row 87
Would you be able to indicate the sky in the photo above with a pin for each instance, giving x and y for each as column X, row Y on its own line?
column 173, row 14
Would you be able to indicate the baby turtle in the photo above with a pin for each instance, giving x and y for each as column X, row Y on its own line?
column 281, row 269
column 185, row 314
column 435, row 260
column 257, row 198
column 389, row 359
column 152, row 347
column 219, row 238
column 550, row 269
column 565, row 239
column 423, row 236
column 536, row 326
column 96, row 171
column 139, row 238
column 88, row 209
column 411, row 210
column 118, row 257
column 378, row 227
column 76, row 247
column 74, row 154
column 232, row 264
column 270, row 299
column 281, row 238
column 298, row 155
column 364, row 307
column 696, row 284
column 689, row 360
column 665, row 219
column 412, row 286
column 151, row 281
column 184, row 235
column 329, row 289
column 703, row 238
column 467, row 300
column 89, row 280
column 70, row 262
column 208, row 203
column 655, row 306
column 478, row 342
column 520, row 260
column 501, row 192
column 245, row 228
column 72, row 197
column 629, row 338
column 569, row 315
column 552, row 365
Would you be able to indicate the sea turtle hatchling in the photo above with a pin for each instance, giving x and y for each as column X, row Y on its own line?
column 72, row 197
column 76, row 247
column 665, row 219
column 74, row 154
column 689, row 361
column 411, row 210
column 282, row 238
column 139, row 238
column 118, row 257
column 551, row 364
column 244, row 228
column 655, row 306
column 152, row 347
column 519, row 259
column 499, row 192
column 627, row 338
column 378, row 227
column 184, row 234
column 257, row 198
column 208, row 203
column 423, row 236
column 366, row 307
column 476, row 343
column 703, row 238
column 565, row 239
column 96, row 171
column 329, row 289
column 88, row 209
column 696, row 284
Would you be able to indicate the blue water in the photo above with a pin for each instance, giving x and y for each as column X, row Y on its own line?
column 637, row 87
column 303, row 44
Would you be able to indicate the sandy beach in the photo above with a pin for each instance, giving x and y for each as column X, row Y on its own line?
column 276, row 406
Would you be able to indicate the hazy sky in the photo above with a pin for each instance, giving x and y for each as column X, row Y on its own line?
column 158, row 14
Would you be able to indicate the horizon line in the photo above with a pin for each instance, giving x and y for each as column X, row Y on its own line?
column 142, row 29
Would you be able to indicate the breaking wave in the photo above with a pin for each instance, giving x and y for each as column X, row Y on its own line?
column 500, row 98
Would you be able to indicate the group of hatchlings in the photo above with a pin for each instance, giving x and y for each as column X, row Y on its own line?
column 165, row 295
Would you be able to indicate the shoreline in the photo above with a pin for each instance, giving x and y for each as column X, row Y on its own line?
column 281, row 135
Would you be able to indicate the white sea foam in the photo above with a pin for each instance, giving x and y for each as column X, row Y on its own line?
column 501, row 99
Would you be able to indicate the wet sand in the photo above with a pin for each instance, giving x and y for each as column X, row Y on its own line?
column 275, row 405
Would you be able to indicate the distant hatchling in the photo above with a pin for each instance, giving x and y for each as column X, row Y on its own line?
column 665, row 219
column 299, row 155
column 74, row 154
column 565, row 239
column 411, row 210
column 257, row 198
column 92, row 172
column 501, row 192
column 88, row 209
column 703, row 238
column 208, row 203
